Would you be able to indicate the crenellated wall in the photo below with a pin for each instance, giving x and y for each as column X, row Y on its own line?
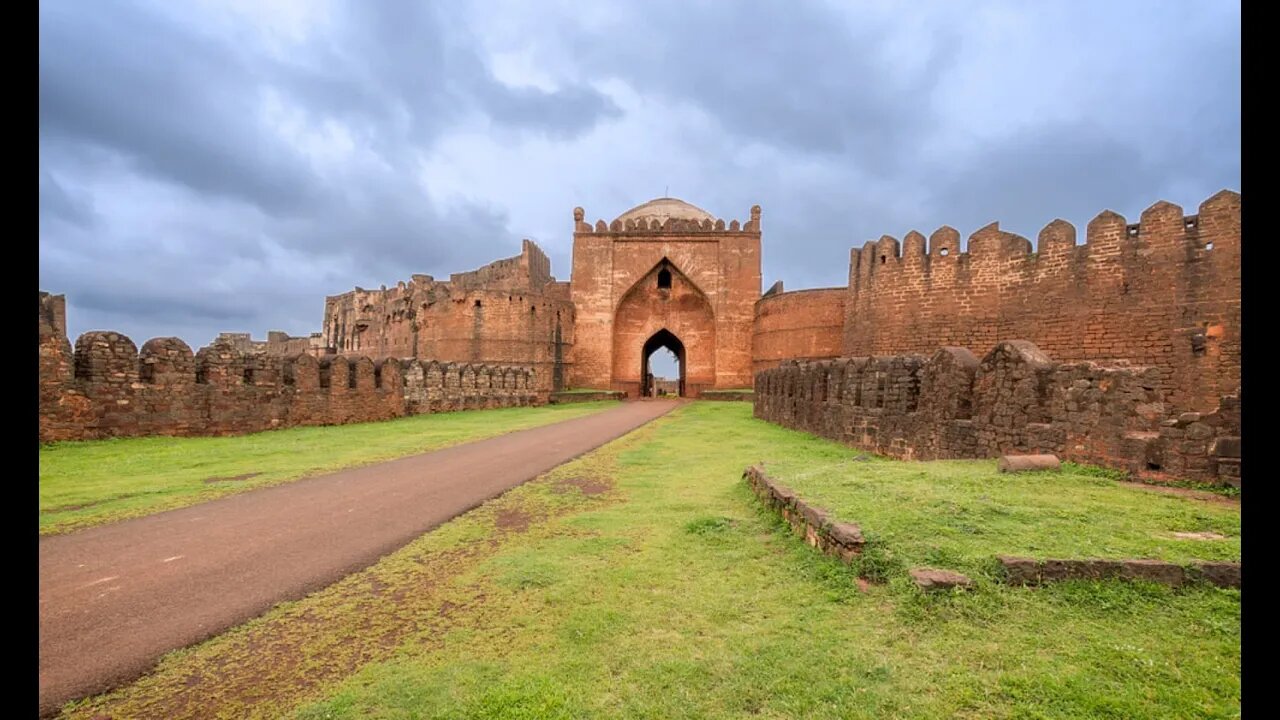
column 1163, row 293
column 107, row 387
column 796, row 325
column 1014, row 400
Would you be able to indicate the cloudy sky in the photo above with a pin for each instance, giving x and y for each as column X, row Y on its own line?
column 223, row 165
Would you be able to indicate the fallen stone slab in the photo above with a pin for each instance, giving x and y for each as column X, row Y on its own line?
column 1024, row 463
column 930, row 580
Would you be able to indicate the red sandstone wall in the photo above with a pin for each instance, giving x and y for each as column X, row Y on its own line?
column 1164, row 293
column 1016, row 399
column 523, row 317
column 802, row 324
column 722, row 262
column 106, row 387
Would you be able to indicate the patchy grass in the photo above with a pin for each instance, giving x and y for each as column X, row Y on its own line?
column 582, row 391
column 958, row 514
column 672, row 594
column 92, row 482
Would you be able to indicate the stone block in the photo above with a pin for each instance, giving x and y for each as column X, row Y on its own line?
column 930, row 580
column 1023, row 463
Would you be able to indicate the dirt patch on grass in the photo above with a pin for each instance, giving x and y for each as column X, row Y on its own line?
column 1199, row 536
column 513, row 520
column 588, row 486
column 231, row 478
column 1202, row 495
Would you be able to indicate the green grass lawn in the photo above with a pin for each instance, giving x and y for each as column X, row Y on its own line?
column 673, row 594
column 959, row 514
column 91, row 482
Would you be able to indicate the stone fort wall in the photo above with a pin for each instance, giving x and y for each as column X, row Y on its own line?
column 107, row 387
column 1014, row 400
column 1163, row 293
column 511, row 311
column 797, row 325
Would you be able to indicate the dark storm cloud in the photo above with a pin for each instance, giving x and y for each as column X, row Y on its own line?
column 179, row 109
column 798, row 76
column 200, row 174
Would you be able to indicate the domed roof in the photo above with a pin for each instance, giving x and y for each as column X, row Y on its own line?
column 662, row 209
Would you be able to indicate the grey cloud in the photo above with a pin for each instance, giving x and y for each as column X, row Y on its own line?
column 793, row 75
column 170, row 205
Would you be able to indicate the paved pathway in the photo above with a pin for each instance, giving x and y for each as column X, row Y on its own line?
column 114, row 598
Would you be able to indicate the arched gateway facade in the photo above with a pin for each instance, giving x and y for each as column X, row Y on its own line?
column 664, row 274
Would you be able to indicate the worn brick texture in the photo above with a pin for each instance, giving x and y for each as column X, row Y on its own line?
column 715, row 283
column 1014, row 400
column 510, row 312
column 797, row 325
column 107, row 387
column 1163, row 293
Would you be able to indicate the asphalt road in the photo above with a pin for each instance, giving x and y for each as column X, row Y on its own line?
column 115, row 598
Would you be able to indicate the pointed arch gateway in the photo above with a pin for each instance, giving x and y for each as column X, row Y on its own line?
column 661, row 339
column 664, row 308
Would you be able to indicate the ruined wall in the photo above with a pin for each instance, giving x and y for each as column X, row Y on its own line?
column 721, row 262
column 509, row 312
column 802, row 324
column 1164, row 293
column 1014, row 400
column 107, row 387
column 277, row 343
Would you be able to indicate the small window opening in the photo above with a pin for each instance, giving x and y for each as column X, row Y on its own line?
column 1133, row 231
column 248, row 376
column 945, row 252
column 1189, row 222
column 477, row 303
column 664, row 279
column 882, row 258
column 1153, row 465
column 1208, row 246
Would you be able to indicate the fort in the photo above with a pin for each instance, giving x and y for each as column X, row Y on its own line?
column 1122, row 350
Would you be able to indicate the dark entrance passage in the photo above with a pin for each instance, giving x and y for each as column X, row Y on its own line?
column 661, row 339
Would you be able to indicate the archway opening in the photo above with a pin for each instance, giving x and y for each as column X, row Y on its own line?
column 651, row 385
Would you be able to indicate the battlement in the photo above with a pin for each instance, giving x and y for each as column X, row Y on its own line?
column 623, row 229
column 107, row 387
column 1161, row 224
column 950, row 404
column 1164, row 292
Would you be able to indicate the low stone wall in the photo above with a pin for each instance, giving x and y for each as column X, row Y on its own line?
column 1014, row 400
column 561, row 398
column 819, row 528
column 844, row 540
column 1028, row 571
column 106, row 387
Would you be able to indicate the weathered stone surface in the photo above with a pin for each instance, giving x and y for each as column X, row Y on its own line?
column 1015, row 402
column 846, row 533
column 1222, row 574
column 931, row 580
column 1157, row 571
column 1023, row 463
column 1020, row 570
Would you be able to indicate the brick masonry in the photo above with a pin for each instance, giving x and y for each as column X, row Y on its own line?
column 1015, row 400
column 107, row 387
column 1152, row 306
